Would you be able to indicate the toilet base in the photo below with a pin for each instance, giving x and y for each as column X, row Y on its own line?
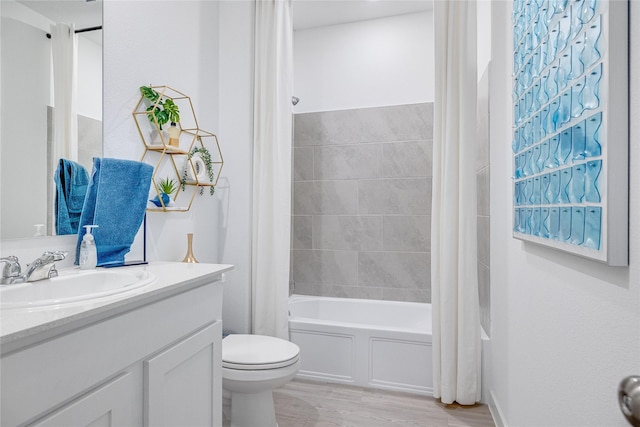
column 253, row 409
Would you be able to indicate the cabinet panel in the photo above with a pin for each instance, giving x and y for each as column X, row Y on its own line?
column 110, row 405
column 183, row 383
column 90, row 355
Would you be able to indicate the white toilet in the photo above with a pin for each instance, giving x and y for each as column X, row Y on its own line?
column 252, row 366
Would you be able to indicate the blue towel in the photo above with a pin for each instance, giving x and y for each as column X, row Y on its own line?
column 116, row 202
column 71, row 186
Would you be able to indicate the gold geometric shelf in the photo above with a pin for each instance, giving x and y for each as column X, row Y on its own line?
column 176, row 160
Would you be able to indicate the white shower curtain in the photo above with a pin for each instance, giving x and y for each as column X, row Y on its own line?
column 272, row 167
column 454, row 281
column 64, row 52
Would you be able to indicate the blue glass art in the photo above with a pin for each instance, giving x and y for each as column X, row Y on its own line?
column 562, row 127
column 593, row 227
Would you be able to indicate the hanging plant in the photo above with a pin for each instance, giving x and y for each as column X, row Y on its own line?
column 160, row 111
column 205, row 155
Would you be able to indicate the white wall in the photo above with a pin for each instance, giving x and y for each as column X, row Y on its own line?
column 170, row 43
column 387, row 61
column 89, row 78
column 25, row 92
column 483, row 12
column 565, row 330
column 210, row 57
column 236, row 136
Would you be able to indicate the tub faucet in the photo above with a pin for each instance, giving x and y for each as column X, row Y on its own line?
column 42, row 268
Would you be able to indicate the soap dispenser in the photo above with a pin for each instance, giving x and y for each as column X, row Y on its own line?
column 174, row 135
column 88, row 250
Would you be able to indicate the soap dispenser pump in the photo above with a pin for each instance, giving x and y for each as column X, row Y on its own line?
column 88, row 250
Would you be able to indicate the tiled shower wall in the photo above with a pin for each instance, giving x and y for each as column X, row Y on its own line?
column 362, row 203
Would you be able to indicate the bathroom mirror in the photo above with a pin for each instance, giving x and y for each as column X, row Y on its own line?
column 27, row 189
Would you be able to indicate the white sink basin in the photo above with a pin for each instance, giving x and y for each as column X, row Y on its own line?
column 73, row 286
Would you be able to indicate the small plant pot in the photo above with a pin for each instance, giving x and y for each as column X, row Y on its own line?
column 165, row 199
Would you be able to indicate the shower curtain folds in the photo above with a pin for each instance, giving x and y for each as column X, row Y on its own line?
column 454, row 282
column 64, row 53
column 271, row 215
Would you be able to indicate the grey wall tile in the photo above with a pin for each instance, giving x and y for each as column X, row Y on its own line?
column 379, row 124
column 363, row 292
column 411, row 196
column 348, row 161
column 409, row 295
column 396, row 123
column 325, row 197
column 484, row 295
column 308, row 129
column 483, row 240
column 350, row 168
column 324, row 267
column 301, row 232
column 408, row 270
column 347, row 232
column 407, row 159
column 305, row 289
column 302, row 163
column 406, row 233
column 483, row 191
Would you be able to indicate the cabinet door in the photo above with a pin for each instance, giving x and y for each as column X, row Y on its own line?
column 183, row 384
column 109, row 405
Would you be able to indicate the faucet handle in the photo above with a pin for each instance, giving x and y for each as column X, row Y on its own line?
column 55, row 255
column 53, row 272
column 12, row 267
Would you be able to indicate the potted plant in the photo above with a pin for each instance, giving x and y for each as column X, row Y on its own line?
column 161, row 110
column 204, row 154
column 166, row 187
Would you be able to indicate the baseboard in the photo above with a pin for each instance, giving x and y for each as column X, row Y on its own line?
column 496, row 413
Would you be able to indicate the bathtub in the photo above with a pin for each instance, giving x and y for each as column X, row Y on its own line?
column 368, row 343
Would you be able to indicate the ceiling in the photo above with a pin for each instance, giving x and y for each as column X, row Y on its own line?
column 319, row 13
column 79, row 12
column 306, row 13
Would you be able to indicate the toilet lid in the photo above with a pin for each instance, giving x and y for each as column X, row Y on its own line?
column 252, row 352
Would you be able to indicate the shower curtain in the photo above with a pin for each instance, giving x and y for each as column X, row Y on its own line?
column 64, row 52
column 271, row 216
column 454, row 281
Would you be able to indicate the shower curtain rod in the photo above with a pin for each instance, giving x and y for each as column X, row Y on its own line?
column 82, row 30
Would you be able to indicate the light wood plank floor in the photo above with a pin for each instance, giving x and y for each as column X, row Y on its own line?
column 315, row 404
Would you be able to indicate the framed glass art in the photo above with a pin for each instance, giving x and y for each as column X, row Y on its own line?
column 570, row 126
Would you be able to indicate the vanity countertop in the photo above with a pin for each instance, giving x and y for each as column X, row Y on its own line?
column 25, row 326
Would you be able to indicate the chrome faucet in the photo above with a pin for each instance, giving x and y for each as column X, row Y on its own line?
column 11, row 272
column 42, row 268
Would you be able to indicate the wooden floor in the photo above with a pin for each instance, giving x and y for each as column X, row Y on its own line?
column 314, row 404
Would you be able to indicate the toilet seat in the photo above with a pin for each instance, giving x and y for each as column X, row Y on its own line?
column 257, row 352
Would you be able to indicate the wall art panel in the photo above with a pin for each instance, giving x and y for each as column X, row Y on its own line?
column 570, row 126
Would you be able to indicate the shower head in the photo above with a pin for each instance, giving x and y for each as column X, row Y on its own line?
column 295, row 100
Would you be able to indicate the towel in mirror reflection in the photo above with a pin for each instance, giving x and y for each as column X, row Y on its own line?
column 71, row 181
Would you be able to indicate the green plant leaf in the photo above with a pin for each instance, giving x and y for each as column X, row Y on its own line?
column 173, row 112
column 163, row 117
column 167, row 185
column 149, row 93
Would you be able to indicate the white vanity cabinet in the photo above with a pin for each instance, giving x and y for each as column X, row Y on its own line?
column 152, row 361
